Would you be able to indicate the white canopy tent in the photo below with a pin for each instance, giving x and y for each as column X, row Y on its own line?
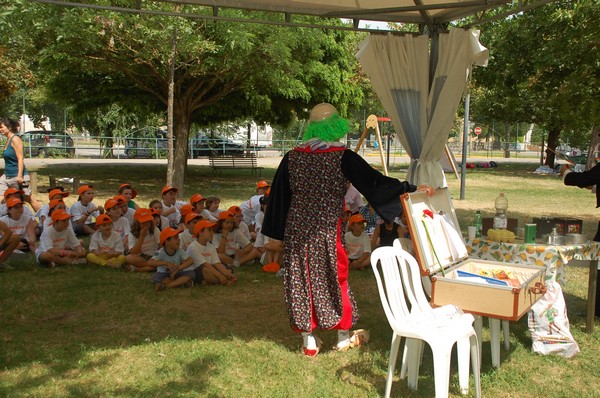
column 422, row 113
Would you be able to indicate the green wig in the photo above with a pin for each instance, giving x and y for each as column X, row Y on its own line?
column 330, row 130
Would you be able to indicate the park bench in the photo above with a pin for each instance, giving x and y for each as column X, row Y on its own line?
column 219, row 163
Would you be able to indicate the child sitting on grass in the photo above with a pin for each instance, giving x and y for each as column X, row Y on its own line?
column 106, row 245
column 211, row 209
column 171, row 263
column 187, row 235
column 43, row 212
column 171, row 205
column 207, row 267
column 143, row 241
column 233, row 247
column 58, row 243
column 120, row 224
column 8, row 244
column 20, row 225
column 156, row 206
column 197, row 201
column 129, row 193
column 84, row 210
column 358, row 243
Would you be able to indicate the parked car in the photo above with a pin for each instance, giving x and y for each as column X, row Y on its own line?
column 44, row 143
column 202, row 145
column 147, row 145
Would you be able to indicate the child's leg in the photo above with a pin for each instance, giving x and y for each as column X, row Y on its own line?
column 212, row 276
column 366, row 262
column 47, row 257
column 179, row 281
column 9, row 247
column 88, row 230
column 223, row 270
column 139, row 263
column 250, row 256
column 96, row 259
column 116, row 262
column 225, row 259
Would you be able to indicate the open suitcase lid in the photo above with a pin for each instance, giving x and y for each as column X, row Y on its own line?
column 434, row 230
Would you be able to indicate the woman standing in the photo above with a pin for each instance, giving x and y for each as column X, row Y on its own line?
column 306, row 209
column 15, row 173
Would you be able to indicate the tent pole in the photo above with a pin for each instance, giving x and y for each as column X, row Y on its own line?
column 463, row 167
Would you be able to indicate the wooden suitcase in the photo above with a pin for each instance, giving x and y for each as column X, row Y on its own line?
column 488, row 288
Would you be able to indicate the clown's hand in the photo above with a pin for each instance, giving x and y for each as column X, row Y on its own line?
column 427, row 189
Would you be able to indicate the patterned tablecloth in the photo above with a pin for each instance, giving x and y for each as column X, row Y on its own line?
column 553, row 257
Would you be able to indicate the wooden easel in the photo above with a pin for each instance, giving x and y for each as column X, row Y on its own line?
column 373, row 125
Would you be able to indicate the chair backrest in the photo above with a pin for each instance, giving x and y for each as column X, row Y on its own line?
column 397, row 276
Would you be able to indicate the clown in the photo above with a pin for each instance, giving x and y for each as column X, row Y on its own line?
column 306, row 210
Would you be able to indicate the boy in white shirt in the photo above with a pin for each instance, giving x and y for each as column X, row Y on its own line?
column 207, row 266
column 358, row 244
column 171, row 205
column 42, row 213
column 252, row 206
column 120, row 224
column 84, row 211
column 14, row 193
column 20, row 225
column 106, row 245
column 187, row 235
column 58, row 243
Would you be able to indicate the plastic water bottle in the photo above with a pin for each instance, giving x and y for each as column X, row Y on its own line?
column 501, row 204
column 553, row 237
column 478, row 224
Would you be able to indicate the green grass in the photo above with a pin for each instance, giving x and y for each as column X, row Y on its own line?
column 89, row 331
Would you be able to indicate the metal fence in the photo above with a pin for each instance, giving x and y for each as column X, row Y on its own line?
column 156, row 148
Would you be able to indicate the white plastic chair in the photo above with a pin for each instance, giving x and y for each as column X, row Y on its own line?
column 397, row 275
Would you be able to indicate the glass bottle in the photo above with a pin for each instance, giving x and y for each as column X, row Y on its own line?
column 501, row 204
column 478, row 224
column 553, row 237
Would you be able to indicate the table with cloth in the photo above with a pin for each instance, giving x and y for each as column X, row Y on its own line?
column 553, row 257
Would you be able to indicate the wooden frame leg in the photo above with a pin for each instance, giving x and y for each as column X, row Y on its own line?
column 591, row 304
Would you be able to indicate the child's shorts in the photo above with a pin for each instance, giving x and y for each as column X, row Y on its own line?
column 78, row 228
column 158, row 277
column 198, row 275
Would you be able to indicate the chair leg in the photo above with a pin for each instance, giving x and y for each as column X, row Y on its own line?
column 463, row 353
column 396, row 339
column 441, row 369
column 476, row 363
column 495, row 341
column 414, row 349
column 478, row 326
column 506, row 332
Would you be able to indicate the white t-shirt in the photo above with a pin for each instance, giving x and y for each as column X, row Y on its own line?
column 150, row 244
column 202, row 254
column 51, row 238
column 114, row 242
column 176, row 216
column 122, row 227
column 129, row 215
column 235, row 240
column 353, row 199
column 258, row 221
column 177, row 258
column 17, row 227
column 243, row 227
column 185, row 238
column 250, row 208
column 210, row 215
column 78, row 209
column 357, row 245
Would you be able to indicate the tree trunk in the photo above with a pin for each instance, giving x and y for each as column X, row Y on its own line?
column 553, row 135
column 181, row 127
column 507, row 140
column 594, row 148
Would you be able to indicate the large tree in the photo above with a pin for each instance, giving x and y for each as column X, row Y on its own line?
column 543, row 69
column 223, row 71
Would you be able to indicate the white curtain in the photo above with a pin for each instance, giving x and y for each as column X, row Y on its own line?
column 398, row 67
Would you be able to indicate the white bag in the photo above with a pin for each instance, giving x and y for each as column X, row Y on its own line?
column 549, row 325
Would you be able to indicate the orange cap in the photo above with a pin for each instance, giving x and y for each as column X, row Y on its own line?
column 84, row 188
column 110, row 203
column 271, row 267
column 167, row 189
column 143, row 215
column 225, row 215
column 186, row 209
column 120, row 199
column 356, row 218
column 200, row 225
column 235, row 210
column 12, row 191
column 168, row 233
column 262, row 184
column 103, row 219
column 196, row 198
column 55, row 202
column 10, row 202
column 55, row 192
column 59, row 215
column 191, row 216
column 128, row 186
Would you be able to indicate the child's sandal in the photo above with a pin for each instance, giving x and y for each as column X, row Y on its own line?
column 189, row 284
column 159, row 287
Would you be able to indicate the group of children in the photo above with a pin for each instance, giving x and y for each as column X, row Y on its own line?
column 181, row 243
